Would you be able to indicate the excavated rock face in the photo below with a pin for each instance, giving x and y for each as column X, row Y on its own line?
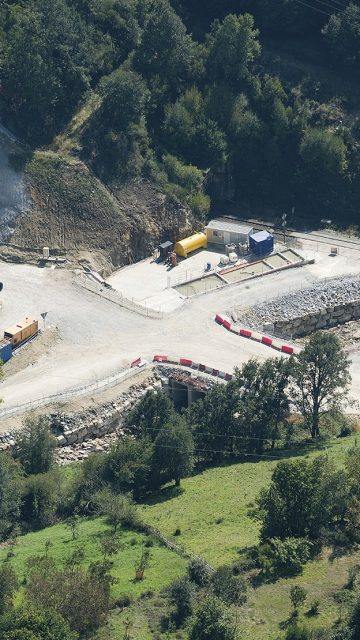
column 14, row 198
column 75, row 214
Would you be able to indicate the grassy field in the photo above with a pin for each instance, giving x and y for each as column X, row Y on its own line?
column 211, row 508
column 164, row 567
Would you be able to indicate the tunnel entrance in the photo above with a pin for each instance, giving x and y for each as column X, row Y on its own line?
column 184, row 390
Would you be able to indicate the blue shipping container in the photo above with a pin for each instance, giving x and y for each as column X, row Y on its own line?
column 5, row 350
column 261, row 243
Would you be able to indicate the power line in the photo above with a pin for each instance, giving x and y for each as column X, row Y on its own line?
column 309, row 6
column 221, row 435
column 339, row 9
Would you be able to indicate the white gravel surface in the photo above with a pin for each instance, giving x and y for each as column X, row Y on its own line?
column 98, row 337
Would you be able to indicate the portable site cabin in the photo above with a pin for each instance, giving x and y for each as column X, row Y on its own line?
column 226, row 231
column 192, row 243
column 261, row 243
column 20, row 332
column 164, row 249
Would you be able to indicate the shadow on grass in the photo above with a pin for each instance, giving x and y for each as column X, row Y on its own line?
column 165, row 494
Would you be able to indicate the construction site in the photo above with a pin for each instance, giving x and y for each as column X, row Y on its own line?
column 82, row 348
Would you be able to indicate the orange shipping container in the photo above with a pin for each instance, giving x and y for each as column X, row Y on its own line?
column 20, row 332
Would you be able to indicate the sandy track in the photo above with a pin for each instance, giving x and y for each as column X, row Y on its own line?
column 98, row 338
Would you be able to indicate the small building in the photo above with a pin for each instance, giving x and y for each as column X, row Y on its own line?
column 192, row 243
column 18, row 333
column 261, row 243
column 226, row 231
column 164, row 249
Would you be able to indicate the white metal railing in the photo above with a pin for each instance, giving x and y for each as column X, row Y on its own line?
column 117, row 298
column 108, row 382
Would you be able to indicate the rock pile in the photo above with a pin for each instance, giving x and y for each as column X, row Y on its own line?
column 325, row 304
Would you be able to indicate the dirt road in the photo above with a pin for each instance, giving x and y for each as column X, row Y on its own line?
column 98, row 338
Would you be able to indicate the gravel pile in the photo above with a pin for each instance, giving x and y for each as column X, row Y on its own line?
column 322, row 295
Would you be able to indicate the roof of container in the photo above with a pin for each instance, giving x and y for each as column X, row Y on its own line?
column 224, row 224
column 165, row 245
column 260, row 236
column 21, row 325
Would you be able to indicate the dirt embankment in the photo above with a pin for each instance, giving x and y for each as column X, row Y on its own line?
column 76, row 215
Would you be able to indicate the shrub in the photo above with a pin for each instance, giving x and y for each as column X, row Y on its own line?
column 314, row 608
column 181, row 595
column 177, row 532
column 297, row 597
column 228, row 587
column 199, row 572
column 283, row 557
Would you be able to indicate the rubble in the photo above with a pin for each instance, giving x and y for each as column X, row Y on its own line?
column 325, row 304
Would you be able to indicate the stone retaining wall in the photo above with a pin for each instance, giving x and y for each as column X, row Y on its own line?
column 323, row 319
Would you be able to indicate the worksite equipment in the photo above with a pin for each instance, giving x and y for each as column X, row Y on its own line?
column 5, row 350
column 18, row 333
column 164, row 249
column 46, row 253
column 261, row 243
column 192, row 243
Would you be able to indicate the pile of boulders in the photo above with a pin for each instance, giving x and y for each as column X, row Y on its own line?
column 325, row 304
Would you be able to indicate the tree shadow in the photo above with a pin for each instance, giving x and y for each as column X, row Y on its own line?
column 165, row 494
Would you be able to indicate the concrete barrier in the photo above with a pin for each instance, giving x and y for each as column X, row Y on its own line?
column 245, row 333
column 160, row 359
column 286, row 349
column 185, row 362
column 219, row 319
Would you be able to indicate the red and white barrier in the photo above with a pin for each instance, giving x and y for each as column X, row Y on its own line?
column 245, row 333
column 185, row 362
column 135, row 363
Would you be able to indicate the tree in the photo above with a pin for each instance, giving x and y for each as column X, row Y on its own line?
column 110, row 544
column 323, row 153
column 321, row 379
column 29, row 623
column 342, row 33
column 35, row 446
column 283, row 557
column 117, row 508
column 82, row 598
column 40, row 499
column 233, row 47
column 142, row 563
column 166, row 50
column 303, row 497
column 150, row 415
column 181, row 595
column 297, row 596
column 173, row 452
column 125, row 97
column 213, row 621
column 228, row 587
column 128, row 465
column 263, row 401
column 8, row 586
column 10, row 494
column 46, row 65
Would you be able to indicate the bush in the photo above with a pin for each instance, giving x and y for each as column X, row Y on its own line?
column 297, row 632
column 181, row 595
column 228, row 587
column 199, row 572
column 314, row 608
column 283, row 557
